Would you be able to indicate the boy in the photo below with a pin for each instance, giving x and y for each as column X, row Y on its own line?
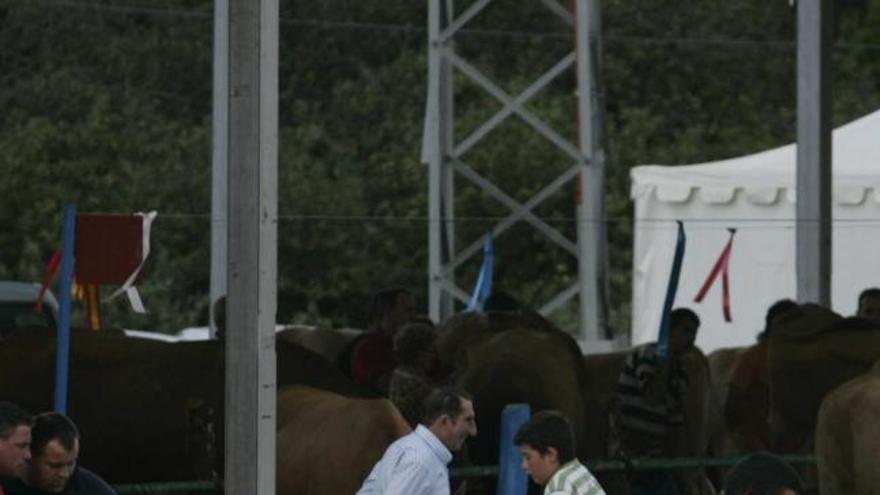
column 546, row 443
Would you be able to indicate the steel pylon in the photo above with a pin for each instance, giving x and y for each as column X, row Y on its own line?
column 443, row 152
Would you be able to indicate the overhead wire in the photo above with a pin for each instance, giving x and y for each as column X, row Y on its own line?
column 773, row 223
column 563, row 34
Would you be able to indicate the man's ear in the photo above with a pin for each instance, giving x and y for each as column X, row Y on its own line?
column 444, row 420
column 552, row 454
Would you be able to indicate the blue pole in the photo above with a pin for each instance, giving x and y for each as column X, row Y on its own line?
column 62, row 351
column 512, row 479
column 671, row 289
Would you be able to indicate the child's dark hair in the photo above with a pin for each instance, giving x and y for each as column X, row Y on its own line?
column 548, row 429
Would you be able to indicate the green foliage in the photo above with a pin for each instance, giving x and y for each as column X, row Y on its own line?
column 108, row 105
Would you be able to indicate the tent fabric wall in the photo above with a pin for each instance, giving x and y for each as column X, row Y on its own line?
column 756, row 195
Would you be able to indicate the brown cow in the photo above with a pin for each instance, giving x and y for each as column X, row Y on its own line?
column 847, row 437
column 721, row 363
column 326, row 342
column 150, row 410
column 503, row 358
column 328, row 443
column 812, row 351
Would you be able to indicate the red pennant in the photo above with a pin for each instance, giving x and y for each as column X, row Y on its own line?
column 51, row 269
column 720, row 266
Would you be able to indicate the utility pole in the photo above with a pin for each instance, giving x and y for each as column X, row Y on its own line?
column 253, row 246
column 219, row 159
column 813, row 226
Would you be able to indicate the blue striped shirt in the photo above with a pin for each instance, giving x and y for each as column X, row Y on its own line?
column 413, row 465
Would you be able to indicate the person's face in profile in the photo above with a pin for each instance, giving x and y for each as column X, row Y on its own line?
column 15, row 451
column 453, row 432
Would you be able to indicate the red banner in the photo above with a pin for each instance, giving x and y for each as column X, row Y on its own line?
column 51, row 269
column 721, row 267
column 108, row 248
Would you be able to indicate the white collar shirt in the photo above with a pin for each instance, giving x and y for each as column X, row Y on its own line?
column 415, row 464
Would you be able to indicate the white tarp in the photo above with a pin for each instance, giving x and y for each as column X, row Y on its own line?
column 756, row 195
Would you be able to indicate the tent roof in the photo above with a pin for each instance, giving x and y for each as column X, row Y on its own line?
column 855, row 160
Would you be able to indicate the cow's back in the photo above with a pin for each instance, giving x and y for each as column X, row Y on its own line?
column 327, row 443
column 806, row 365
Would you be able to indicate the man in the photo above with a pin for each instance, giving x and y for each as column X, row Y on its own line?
column 869, row 304
column 53, row 469
column 763, row 473
column 410, row 382
column 417, row 463
column 372, row 356
column 546, row 442
column 650, row 392
column 15, row 440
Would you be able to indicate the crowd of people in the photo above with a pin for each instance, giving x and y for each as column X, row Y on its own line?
column 397, row 358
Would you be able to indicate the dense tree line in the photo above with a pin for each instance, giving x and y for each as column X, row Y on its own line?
column 108, row 104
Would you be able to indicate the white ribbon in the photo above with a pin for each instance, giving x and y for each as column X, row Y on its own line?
column 134, row 297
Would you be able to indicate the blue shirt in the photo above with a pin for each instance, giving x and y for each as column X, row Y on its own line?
column 413, row 465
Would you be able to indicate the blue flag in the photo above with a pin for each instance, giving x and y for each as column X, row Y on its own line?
column 671, row 289
column 484, row 281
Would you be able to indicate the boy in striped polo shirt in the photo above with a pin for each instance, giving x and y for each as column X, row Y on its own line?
column 546, row 442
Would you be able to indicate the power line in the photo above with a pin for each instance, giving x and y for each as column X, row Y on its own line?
column 701, row 223
column 413, row 29
column 118, row 8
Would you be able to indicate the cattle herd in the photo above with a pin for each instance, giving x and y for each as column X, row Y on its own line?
column 152, row 411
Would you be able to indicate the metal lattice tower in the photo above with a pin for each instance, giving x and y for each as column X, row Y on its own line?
column 444, row 155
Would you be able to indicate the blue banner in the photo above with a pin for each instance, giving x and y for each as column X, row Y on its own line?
column 671, row 289
column 62, row 350
column 484, row 281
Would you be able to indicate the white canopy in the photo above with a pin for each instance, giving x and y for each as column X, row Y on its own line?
column 756, row 195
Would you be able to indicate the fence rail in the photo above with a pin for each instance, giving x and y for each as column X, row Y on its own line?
column 170, row 487
column 481, row 472
column 638, row 464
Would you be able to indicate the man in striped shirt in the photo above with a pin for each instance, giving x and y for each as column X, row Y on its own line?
column 650, row 391
column 546, row 442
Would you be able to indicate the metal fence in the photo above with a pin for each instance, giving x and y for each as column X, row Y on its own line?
column 483, row 472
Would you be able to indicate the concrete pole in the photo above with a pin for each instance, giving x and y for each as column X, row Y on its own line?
column 591, row 200
column 435, row 164
column 219, row 158
column 441, row 183
column 813, row 231
column 253, row 244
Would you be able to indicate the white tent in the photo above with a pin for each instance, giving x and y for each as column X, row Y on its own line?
column 756, row 195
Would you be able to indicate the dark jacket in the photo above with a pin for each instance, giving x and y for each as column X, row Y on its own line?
column 82, row 482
